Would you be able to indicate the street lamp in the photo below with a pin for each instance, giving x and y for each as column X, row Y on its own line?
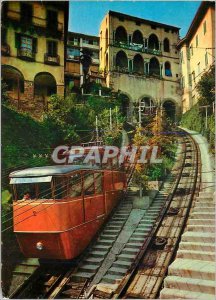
column 86, row 61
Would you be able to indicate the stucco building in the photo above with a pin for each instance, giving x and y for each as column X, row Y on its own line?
column 76, row 43
column 33, row 51
column 140, row 59
column 197, row 52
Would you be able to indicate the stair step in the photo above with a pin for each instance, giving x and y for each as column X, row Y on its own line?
column 128, row 250
column 108, row 278
column 121, row 264
column 89, row 268
column 201, row 228
column 167, row 293
column 209, row 247
column 193, row 269
column 201, row 221
column 203, row 215
column 82, row 275
column 117, row 271
column 134, row 245
column 98, row 253
column 193, row 254
column 203, row 237
column 190, row 284
column 106, row 242
column 93, row 260
column 126, row 257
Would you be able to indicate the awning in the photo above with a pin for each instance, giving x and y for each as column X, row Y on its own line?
column 30, row 180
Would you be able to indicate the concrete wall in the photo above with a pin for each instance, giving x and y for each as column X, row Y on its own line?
column 196, row 54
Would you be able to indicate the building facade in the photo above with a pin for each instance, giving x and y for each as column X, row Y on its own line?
column 33, row 52
column 197, row 52
column 76, row 43
column 140, row 59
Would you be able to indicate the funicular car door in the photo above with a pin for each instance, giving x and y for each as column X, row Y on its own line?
column 93, row 195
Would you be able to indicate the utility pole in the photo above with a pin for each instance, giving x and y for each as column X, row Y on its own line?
column 206, row 114
column 140, row 116
column 97, row 134
column 116, row 116
column 110, row 118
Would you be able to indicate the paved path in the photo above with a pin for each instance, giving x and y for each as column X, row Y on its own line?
column 208, row 170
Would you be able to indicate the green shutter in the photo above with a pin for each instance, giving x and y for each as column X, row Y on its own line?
column 17, row 40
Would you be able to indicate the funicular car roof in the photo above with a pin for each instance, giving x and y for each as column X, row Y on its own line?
column 51, row 170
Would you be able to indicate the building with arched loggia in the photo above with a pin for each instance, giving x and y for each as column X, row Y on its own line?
column 33, row 52
column 141, row 61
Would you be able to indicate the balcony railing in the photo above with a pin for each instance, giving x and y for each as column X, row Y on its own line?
column 137, row 48
column 26, row 54
column 51, row 60
column 134, row 72
column 5, row 49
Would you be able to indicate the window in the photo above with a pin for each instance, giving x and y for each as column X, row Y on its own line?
column 95, row 55
column 183, row 82
column 26, row 13
column 153, row 27
column 73, row 53
column 138, row 23
column 75, row 186
column 197, row 41
column 204, row 27
column 121, row 19
column 168, row 69
column 181, row 57
column 191, row 50
column 198, row 68
column 4, row 36
column 52, row 48
column 166, row 45
column 52, row 19
column 206, row 58
column 98, row 183
column 166, row 30
column 193, row 76
column 190, row 80
column 95, row 42
column 88, row 185
column 75, row 41
column 26, row 43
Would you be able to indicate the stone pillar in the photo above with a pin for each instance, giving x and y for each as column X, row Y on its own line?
column 114, row 36
column 60, row 90
column 28, row 90
column 161, row 68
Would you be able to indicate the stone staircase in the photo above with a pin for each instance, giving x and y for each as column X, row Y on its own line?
column 192, row 274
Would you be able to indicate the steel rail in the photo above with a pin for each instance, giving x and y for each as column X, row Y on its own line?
column 127, row 280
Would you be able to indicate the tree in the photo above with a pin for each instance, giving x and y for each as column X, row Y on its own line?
column 206, row 87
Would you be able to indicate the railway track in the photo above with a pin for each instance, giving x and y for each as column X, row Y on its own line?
column 111, row 268
column 148, row 278
column 117, row 248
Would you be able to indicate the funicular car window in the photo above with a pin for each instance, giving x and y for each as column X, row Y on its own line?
column 88, row 185
column 75, row 185
column 61, row 187
column 23, row 189
column 98, row 183
column 44, row 190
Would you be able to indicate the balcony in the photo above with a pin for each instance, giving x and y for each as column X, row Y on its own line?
column 51, row 60
column 5, row 50
column 137, row 48
column 25, row 54
column 125, row 70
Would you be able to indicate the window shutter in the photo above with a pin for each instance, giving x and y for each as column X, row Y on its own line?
column 17, row 40
column 34, row 45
